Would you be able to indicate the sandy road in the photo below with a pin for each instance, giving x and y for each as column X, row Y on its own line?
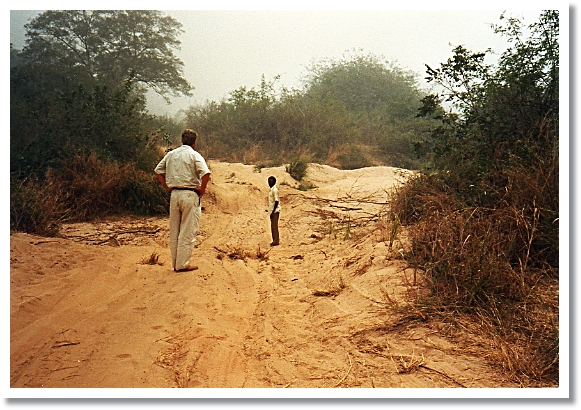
column 324, row 309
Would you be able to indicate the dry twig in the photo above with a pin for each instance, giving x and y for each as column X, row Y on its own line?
column 348, row 370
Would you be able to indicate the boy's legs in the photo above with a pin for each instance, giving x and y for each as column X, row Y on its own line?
column 274, row 228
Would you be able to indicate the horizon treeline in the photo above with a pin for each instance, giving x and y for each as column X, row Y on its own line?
column 83, row 144
column 352, row 112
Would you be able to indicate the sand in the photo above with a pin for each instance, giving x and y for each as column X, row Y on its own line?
column 329, row 308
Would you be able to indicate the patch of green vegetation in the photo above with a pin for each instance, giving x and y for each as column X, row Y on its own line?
column 298, row 168
column 306, row 186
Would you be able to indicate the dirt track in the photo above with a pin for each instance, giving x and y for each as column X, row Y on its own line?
column 324, row 309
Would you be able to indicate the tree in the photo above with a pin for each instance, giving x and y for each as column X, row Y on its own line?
column 350, row 113
column 367, row 86
column 501, row 113
column 377, row 95
column 78, row 86
column 109, row 48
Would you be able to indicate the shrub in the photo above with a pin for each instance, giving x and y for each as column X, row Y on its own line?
column 144, row 195
column 306, row 187
column 83, row 189
column 498, row 262
column 298, row 168
column 106, row 188
column 37, row 207
column 95, row 186
column 353, row 157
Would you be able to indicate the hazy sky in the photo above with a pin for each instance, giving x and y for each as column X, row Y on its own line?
column 225, row 49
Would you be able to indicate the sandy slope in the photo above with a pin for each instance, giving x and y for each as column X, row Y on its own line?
column 321, row 310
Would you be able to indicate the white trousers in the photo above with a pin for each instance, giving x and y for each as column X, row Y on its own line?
column 185, row 211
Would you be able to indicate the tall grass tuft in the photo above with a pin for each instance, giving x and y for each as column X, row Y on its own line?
column 142, row 194
column 95, row 186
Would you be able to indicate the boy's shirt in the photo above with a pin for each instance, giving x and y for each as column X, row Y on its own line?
column 272, row 198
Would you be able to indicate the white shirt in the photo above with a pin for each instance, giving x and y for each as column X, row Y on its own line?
column 183, row 167
column 272, row 198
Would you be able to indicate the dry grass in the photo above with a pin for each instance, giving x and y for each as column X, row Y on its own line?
column 238, row 253
column 38, row 207
column 82, row 189
column 171, row 359
column 95, row 186
column 496, row 264
column 153, row 259
column 389, row 300
column 407, row 363
column 177, row 358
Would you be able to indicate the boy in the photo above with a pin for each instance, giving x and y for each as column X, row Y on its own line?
column 273, row 209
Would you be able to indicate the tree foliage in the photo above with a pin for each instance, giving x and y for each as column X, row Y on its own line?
column 506, row 118
column 365, row 85
column 109, row 48
column 500, row 113
column 77, row 96
column 78, row 86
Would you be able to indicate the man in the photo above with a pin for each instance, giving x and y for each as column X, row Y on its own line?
column 183, row 172
column 273, row 210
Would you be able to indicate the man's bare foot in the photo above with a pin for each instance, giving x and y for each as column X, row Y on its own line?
column 187, row 268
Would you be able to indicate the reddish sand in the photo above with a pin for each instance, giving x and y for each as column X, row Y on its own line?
column 326, row 308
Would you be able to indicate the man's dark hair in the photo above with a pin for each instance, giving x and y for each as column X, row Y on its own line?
column 271, row 181
column 189, row 136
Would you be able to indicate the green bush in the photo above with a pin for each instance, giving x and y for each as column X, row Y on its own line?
column 484, row 227
column 306, row 187
column 352, row 101
column 298, row 168
column 353, row 158
column 144, row 195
